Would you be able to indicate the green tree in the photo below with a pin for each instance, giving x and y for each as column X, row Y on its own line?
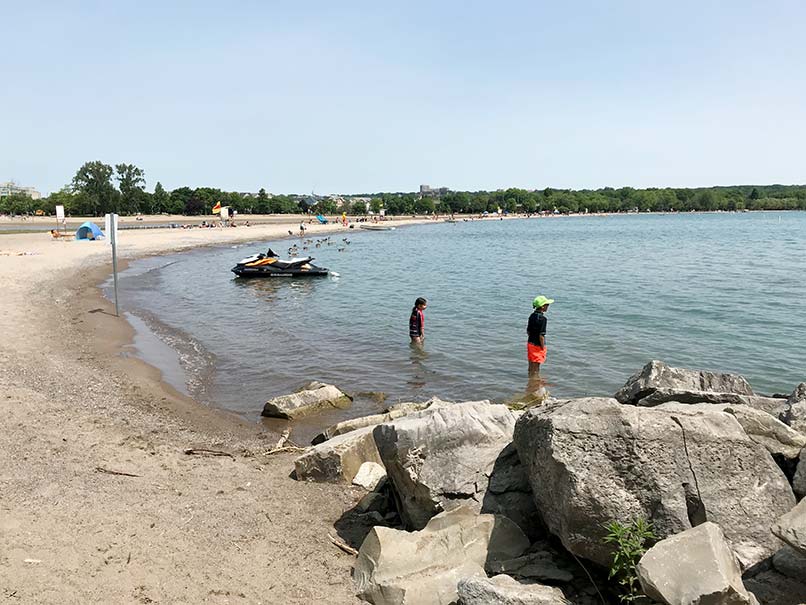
column 131, row 183
column 358, row 207
column 181, row 200
column 261, row 205
column 160, row 199
column 16, row 203
column 754, row 195
column 94, row 182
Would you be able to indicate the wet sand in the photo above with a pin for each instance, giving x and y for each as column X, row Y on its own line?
column 77, row 407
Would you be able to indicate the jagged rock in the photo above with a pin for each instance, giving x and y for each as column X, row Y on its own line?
column 760, row 426
column 791, row 527
column 657, row 376
column 591, row 461
column 504, row 590
column 395, row 567
column 773, row 588
column 456, row 454
column 795, row 415
column 338, row 459
column 539, row 566
column 799, row 481
column 694, row 567
column 791, row 563
column 396, row 411
column 369, row 475
column 311, row 398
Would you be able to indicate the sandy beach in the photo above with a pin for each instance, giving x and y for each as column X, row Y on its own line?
column 100, row 504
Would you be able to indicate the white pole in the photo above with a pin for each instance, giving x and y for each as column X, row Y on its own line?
column 113, row 232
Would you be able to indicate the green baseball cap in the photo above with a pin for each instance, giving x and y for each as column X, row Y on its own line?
column 541, row 300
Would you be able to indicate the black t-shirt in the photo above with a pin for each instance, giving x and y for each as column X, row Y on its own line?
column 536, row 327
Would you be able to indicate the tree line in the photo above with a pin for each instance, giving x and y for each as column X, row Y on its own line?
column 98, row 188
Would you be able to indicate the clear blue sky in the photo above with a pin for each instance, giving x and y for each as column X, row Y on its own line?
column 375, row 96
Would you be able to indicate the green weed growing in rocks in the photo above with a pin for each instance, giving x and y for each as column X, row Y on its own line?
column 631, row 542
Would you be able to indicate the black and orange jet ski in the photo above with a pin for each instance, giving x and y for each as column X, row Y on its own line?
column 271, row 265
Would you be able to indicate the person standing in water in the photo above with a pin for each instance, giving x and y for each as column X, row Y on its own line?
column 536, row 329
column 417, row 321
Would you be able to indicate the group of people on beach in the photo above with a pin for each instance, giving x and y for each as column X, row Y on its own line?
column 535, row 329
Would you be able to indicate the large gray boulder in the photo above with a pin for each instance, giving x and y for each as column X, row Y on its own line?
column 591, row 461
column 694, row 567
column 773, row 588
column 795, row 415
column 656, row 377
column 458, row 454
column 338, row 459
column 504, row 590
column 311, row 398
column 790, row 563
column 791, row 527
column 395, row 567
column 761, row 427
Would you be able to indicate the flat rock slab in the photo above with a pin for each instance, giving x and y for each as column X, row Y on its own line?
column 694, row 567
column 396, row 567
column 791, row 527
column 774, row 406
column 504, row 590
column 312, row 398
column 591, row 461
column 345, row 426
column 657, row 376
column 338, row 459
column 538, row 566
column 761, row 427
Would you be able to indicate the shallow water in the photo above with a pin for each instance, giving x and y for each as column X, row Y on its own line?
column 717, row 291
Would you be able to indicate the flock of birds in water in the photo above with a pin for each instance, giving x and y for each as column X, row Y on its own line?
column 294, row 250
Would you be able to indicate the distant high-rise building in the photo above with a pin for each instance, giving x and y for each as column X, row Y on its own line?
column 11, row 187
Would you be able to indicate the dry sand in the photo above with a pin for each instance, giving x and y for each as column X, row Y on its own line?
column 74, row 404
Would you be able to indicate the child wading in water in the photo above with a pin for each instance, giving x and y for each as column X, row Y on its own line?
column 536, row 329
column 417, row 321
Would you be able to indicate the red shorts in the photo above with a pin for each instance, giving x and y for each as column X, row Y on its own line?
column 535, row 354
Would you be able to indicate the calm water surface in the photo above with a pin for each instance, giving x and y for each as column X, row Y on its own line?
column 716, row 291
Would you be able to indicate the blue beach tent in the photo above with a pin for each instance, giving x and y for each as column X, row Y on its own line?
column 321, row 219
column 89, row 231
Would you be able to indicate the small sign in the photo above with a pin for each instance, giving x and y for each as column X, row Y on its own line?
column 60, row 213
column 111, row 228
column 224, row 213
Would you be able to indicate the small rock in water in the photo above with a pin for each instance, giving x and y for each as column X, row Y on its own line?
column 311, row 398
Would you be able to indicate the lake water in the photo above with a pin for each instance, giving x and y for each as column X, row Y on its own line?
column 714, row 291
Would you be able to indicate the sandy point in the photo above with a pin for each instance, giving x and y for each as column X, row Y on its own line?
column 175, row 528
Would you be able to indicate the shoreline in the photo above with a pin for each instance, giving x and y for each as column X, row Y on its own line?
column 75, row 408
column 120, row 349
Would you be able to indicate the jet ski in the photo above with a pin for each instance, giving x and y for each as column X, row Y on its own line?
column 271, row 265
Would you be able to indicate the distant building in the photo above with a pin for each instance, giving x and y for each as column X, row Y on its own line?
column 428, row 191
column 11, row 187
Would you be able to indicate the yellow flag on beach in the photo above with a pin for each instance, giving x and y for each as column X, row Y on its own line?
column 217, row 208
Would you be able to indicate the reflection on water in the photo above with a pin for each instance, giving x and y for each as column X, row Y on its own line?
column 418, row 356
